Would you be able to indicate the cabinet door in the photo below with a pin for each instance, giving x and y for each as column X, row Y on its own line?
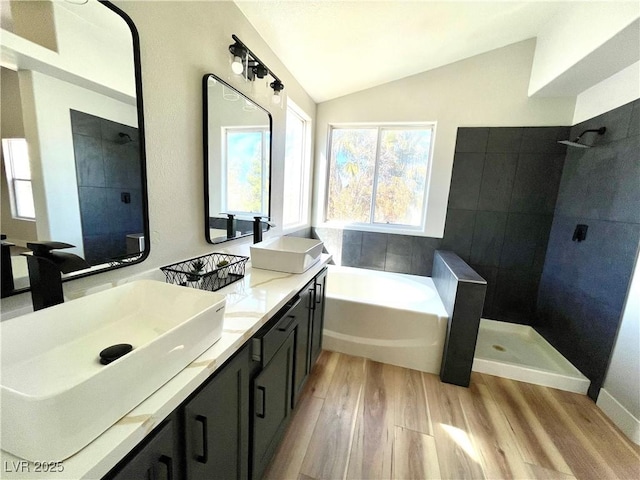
column 317, row 324
column 271, row 405
column 304, row 314
column 153, row 459
column 216, row 424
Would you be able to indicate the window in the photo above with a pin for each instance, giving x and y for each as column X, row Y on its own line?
column 18, row 171
column 297, row 161
column 246, row 159
column 378, row 175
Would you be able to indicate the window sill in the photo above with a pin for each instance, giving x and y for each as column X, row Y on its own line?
column 24, row 219
column 376, row 228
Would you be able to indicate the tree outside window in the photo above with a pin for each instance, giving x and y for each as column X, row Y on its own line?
column 247, row 170
column 378, row 174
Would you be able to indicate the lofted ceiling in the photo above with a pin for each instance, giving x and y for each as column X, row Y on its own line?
column 334, row 48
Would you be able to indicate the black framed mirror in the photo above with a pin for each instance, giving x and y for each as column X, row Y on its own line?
column 237, row 161
column 73, row 148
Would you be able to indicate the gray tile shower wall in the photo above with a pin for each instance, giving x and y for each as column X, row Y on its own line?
column 584, row 284
column 379, row 251
column 106, row 168
column 503, row 192
column 462, row 292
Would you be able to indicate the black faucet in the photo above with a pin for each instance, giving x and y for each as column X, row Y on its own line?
column 257, row 228
column 231, row 225
column 45, row 267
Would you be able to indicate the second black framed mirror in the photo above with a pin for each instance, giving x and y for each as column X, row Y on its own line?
column 237, row 161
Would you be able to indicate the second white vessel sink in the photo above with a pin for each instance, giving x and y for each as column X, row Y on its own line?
column 56, row 395
column 286, row 254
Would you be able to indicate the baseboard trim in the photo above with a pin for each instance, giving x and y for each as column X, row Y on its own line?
column 619, row 415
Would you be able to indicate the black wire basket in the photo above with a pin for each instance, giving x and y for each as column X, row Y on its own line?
column 208, row 272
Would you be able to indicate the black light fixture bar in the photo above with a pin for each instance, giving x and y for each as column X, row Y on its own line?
column 255, row 59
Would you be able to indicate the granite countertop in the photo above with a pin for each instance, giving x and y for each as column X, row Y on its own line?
column 251, row 302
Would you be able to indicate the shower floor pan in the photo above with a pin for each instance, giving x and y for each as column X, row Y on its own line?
column 520, row 353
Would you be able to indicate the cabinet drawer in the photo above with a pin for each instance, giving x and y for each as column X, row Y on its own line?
column 265, row 346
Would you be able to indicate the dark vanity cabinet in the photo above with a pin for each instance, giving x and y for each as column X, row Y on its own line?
column 156, row 458
column 216, row 423
column 317, row 318
column 304, row 313
column 230, row 427
column 287, row 350
column 271, row 405
column 274, row 347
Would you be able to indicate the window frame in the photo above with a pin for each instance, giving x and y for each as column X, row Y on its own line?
column 398, row 229
column 12, row 178
column 305, row 187
column 265, row 167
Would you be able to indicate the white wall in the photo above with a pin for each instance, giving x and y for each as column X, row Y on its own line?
column 95, row 53
column 576, row 31
column 620, row 395
column 17, row 230
column 619, row 89
column 180, row 42
column 488, row 90
column 101, row 51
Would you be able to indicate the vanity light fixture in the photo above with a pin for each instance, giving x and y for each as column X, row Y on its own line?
column 246, row 63
column 277, row 88
column 239, row 52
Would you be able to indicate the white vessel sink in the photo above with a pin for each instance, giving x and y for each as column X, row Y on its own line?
column 56, row 395
column 286, row 254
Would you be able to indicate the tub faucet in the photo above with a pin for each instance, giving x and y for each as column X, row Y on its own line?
column 257, row 227
column 45, row 269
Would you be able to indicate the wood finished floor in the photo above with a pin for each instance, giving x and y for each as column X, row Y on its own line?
column 360, row 419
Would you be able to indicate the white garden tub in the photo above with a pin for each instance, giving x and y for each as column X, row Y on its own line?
column 388, row 317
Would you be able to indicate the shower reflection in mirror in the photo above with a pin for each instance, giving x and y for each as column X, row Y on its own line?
column 72, row 130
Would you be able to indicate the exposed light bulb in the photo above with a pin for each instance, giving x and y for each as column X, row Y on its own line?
column 237, row 67
column 276, row 98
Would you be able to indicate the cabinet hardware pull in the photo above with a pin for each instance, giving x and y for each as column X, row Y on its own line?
column 205, row 440
column 168, row 463
column 312, row 296
column 291, row 322
column 260, row 414
column 319, row 293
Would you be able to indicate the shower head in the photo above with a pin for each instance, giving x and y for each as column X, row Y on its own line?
column 576, row 142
